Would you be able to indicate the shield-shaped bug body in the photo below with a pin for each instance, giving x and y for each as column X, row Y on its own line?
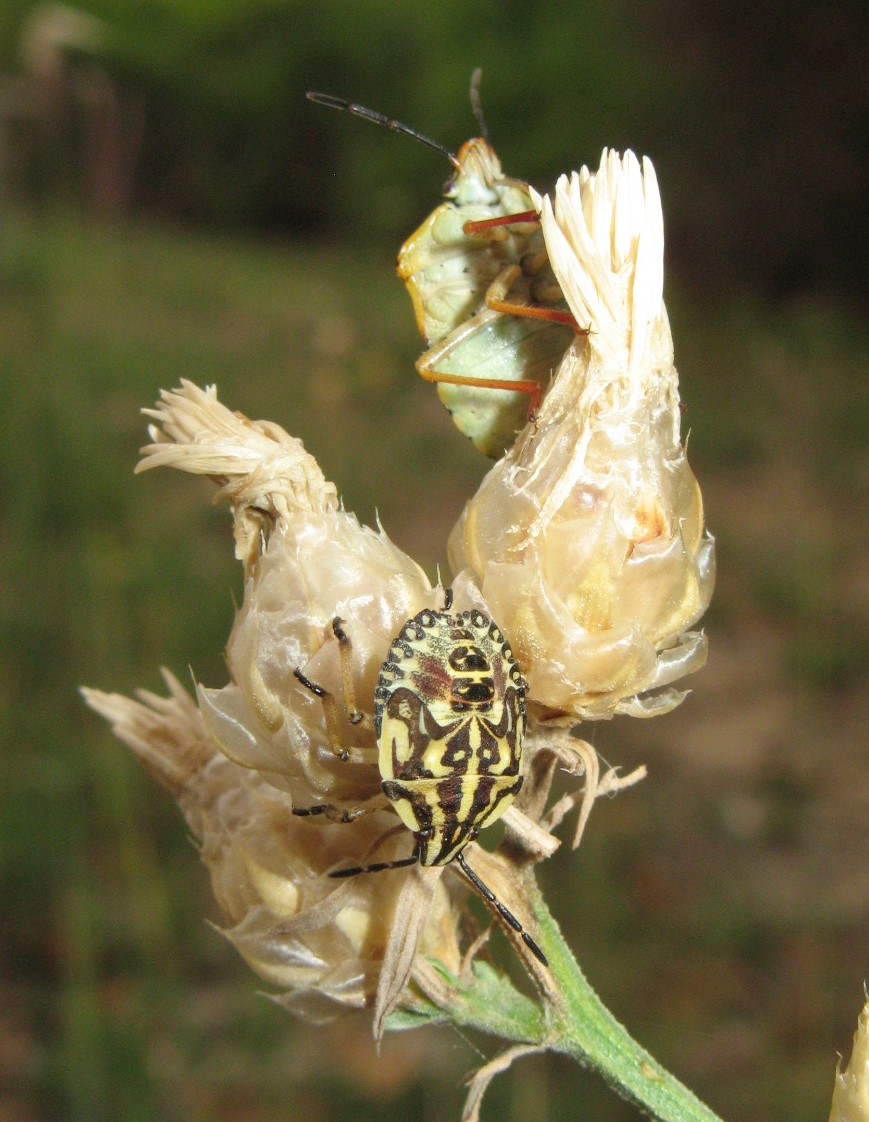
column 449, row 719
column 449, row 716
column 485, row 298
column 474, row 286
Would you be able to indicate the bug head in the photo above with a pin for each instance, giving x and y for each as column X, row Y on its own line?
column 477, row 176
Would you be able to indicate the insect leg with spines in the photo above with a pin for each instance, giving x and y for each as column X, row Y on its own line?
column 330, row 713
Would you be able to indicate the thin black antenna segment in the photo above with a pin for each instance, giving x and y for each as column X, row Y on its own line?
column 379, row 119
column 477, row 104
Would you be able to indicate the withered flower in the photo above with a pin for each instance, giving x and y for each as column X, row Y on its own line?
column 851, row 1089
column 587, row 539
column 262, row 746
column 585, row 544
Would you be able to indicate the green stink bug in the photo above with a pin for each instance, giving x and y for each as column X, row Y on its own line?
column 449, row 719
column 485, row 297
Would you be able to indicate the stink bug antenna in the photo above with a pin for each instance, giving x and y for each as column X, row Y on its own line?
column 380, row 119
column 477, row 104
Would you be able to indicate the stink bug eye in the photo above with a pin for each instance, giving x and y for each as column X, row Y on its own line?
column 449, row 720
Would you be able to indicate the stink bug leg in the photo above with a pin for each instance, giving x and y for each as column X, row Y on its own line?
column 356, row 718
column 497, row 291
column 496, row 299
column 511, row 346
column 503, row 912
column 425, row 369
column 330, row 711
column 483, row 225
column 476, row 882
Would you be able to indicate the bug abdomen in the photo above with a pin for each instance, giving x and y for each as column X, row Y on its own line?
column 447, row 813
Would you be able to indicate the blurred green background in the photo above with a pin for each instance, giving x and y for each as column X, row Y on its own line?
column 171, row 206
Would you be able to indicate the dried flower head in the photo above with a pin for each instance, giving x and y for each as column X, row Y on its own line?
column 587, row 539
column 851, row 1090
column 264, row 747
column 320, row 941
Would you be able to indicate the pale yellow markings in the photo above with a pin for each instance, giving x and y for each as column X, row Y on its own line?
column 405, row 812
column 433, row 759
column 488, row 817
column 469, row 790
column 393, row 739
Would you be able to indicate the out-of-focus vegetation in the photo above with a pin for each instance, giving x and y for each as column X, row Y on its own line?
column 756, row 118
column 721, row 908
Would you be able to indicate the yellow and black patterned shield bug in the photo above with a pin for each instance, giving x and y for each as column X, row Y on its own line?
column 449, row 718
column 486, row 300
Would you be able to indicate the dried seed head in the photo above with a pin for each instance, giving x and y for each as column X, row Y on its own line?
column 851, row 1090
column 265, row 745
column 319, row 940
column 261, row 746
column 587, row 539
column 307, row 561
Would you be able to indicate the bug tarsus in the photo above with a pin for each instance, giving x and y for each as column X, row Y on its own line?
column 535, row 950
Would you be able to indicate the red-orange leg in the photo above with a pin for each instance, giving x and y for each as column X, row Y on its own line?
column 484, row 224
column 532, row 388
column 534, row 311
column 495, row 299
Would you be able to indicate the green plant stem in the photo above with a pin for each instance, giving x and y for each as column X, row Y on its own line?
column 572, row 1020
column 581, row 1026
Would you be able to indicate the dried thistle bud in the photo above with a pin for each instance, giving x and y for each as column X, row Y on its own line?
column 318, row 940
column 851, row 1090
column 307, row 561
column 277, row 772
column 261, row 747
column 587, row 539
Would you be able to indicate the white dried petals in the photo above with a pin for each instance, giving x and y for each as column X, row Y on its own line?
column 851, row 1090
column 587, row 540
column 263, row 471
